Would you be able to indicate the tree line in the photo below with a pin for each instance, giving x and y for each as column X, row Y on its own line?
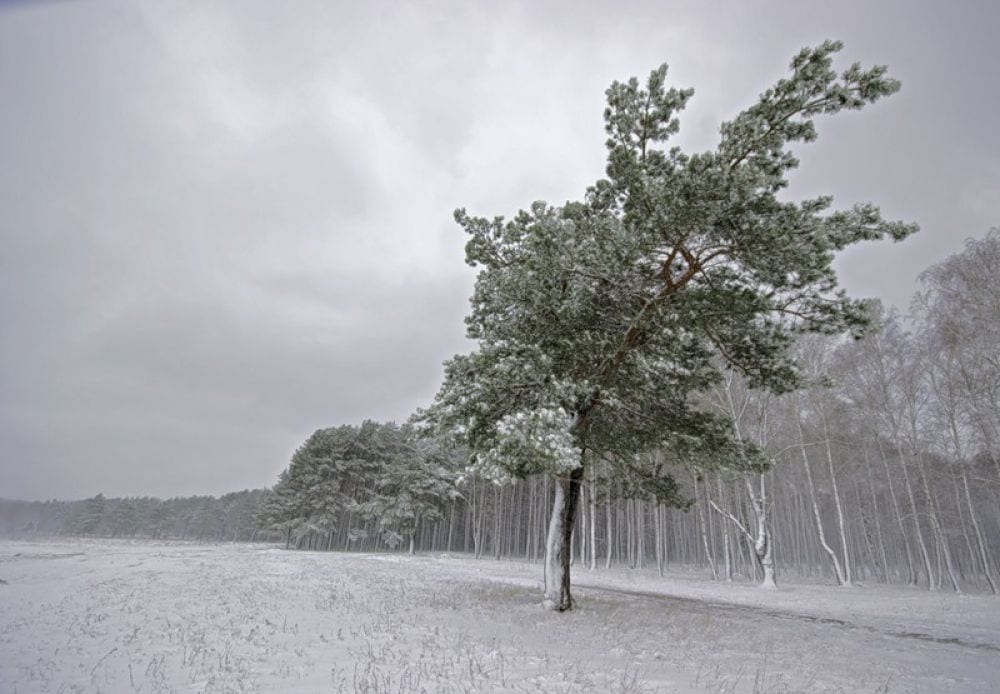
column 230, row 517
column 883, row 468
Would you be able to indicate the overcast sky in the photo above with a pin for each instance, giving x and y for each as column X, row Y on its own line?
column 225, row 225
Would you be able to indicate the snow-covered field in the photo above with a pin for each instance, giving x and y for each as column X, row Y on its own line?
column 141, row 617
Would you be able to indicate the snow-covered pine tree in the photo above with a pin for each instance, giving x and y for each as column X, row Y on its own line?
column 596, row 320
column 415, row 483
column 375, row 473
column 331, row 472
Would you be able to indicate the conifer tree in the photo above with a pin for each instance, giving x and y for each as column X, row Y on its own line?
column 597, row 320
column 416, row 480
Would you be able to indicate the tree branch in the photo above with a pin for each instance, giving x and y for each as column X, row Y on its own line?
column 733, row 519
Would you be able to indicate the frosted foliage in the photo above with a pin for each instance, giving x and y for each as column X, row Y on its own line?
column 537, row 440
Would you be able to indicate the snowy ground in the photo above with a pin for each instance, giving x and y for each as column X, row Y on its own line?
column 132, row 617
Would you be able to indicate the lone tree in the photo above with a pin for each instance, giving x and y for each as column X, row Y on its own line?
column 598, row 320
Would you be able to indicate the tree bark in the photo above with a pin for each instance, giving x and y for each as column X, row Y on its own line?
column 703, row 525
column 910, row 565
column 838, row 571
column 593, row 520
column 841, row 523
column 558, row 546
column 875, row 515
column 727, row 550
column 983, row 554
column 610, row 530
column 763, row 543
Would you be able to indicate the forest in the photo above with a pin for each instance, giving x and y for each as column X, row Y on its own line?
column 231, row 517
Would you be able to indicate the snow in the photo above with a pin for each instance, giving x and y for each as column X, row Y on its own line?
column 89, row 616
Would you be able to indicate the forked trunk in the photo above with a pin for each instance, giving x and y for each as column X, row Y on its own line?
column 558, row 545
column 841, row 522
column 765, row 553
column 837, row 569
column 762, row 543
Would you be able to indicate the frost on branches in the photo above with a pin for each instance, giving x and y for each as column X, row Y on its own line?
column 540, row 438
column 599, row 321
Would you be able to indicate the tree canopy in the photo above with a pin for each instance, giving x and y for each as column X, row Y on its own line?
column 373, row 471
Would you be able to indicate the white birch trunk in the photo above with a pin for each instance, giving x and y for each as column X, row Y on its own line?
column 838, row 571
column 983, row 555
column 841, row 524
column 910, row 565
column 815, row 505
column 704, row 529
column 727, row 550
column 762, row 545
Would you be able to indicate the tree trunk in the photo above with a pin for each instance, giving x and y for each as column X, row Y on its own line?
column 530, row 484
column 629, row 535
column 763, row 543
column 593, row 520
column 451, row 526
column 658, row 543
column 841, row 523
column 610, row 532
column 640, row 532
column 838, row 571
column 875, row 515
column 727, row 550
column 983, row 554
column 703, row 524
column 934, row 514
column 558, row 546
column 931, row 580
column 910, row 565
column 497, row 521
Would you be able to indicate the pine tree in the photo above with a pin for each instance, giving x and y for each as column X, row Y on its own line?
column 597, row 320
column 416, row 481
column 378, row 473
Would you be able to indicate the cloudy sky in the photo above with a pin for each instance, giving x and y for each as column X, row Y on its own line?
column 225, row 225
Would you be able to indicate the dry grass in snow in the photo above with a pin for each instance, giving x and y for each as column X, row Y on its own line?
column 95, row 616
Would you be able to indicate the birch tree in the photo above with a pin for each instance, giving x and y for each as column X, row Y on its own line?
column 959, row 314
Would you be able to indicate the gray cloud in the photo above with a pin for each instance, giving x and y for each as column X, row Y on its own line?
column 225, row 225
